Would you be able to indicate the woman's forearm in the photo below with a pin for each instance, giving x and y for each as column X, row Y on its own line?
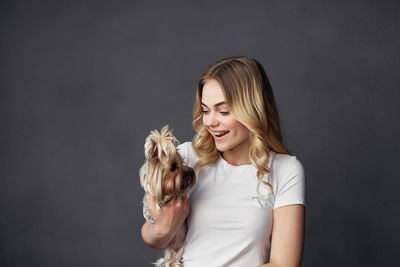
column 154, row 237
column 167, row 221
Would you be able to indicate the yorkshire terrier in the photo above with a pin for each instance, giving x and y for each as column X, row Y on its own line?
column 165, row 177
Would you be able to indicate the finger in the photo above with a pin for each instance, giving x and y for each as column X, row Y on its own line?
column 182, row 198
column 186, row 205
column 152, row 202
column 182, row 203
column 185, row 201
column 177, row 203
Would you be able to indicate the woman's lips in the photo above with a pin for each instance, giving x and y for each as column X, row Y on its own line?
column 219, row 135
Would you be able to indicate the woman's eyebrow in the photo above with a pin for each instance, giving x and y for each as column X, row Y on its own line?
column 216, row 105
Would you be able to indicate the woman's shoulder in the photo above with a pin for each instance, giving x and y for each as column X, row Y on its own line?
column 288, row 180
column 286, row 164
column 185, row 147
column 186, row 151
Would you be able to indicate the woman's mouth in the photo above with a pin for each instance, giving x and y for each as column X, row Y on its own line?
column 220, row 135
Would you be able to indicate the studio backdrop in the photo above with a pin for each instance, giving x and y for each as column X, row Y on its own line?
column 83, row 83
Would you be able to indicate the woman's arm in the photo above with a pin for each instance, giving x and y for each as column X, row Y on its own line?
column 287, row 237
column 167, row 222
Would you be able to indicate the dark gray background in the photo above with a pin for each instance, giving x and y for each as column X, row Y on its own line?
column 83, row 83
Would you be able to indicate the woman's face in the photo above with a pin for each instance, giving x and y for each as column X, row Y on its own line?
column 229, row 134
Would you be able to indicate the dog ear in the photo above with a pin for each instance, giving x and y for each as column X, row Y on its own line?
column 160, row 144
column 166, row 133
column 150, row 146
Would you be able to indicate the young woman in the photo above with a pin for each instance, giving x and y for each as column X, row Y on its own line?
column 247, row 208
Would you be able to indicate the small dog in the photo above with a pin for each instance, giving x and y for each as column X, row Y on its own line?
column 164, row 176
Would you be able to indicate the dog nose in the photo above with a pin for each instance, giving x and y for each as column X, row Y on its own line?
column 188, row 176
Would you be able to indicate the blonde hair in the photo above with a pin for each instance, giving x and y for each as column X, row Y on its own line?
column 250, row 98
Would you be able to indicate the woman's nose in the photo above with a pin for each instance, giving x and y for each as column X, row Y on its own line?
column 210, row 120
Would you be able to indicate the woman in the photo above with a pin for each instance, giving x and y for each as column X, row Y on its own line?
column 247, row 207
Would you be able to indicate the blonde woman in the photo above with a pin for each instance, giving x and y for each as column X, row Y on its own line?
column 247, row 208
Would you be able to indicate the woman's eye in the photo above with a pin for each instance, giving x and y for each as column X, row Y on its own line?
column 204, row 111
column 224, row 112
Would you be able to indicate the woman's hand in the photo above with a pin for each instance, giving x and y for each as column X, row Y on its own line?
column 170, row 217
column 167, row 222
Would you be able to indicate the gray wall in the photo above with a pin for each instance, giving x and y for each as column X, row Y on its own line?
column 82, row 84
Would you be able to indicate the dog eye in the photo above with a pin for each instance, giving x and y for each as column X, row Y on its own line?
column 173, row 167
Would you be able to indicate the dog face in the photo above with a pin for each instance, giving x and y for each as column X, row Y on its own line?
column 164, row 175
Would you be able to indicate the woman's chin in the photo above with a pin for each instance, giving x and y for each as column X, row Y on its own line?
column 221, row 148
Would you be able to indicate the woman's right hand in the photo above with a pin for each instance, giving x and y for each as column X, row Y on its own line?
column 167, row 222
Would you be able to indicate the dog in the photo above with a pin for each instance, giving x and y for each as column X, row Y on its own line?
column 164, row 176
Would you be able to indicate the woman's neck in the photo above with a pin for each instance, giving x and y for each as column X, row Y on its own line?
column 239, row 155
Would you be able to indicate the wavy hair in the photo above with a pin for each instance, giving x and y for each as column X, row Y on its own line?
column 249, row 96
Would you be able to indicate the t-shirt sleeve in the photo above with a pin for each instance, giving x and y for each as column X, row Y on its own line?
column 291, row 184
column 183, row 150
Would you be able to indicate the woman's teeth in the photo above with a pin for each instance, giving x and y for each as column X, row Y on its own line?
column 222, row 134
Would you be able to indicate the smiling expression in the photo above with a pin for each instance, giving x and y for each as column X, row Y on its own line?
column 230, row 135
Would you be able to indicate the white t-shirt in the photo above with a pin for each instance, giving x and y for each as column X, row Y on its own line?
column 230, row 219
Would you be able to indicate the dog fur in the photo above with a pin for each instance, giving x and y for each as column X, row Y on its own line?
column 164, row 176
